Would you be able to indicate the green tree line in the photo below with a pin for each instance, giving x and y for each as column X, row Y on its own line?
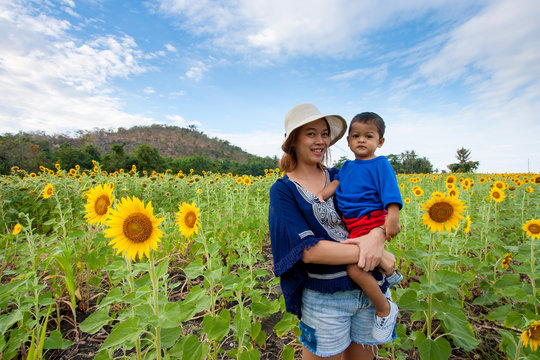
column 21, row 151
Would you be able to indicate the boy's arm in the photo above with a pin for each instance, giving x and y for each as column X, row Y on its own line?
column 328, row 190
column 391, row 225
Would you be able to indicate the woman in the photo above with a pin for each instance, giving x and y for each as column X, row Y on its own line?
column 311, row 249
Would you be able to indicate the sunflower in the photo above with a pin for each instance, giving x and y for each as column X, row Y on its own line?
column 99, row 202
column 418, row 192
column 16, row 229
column 535, row 179
column 529, row 189
column 239, row 180
column 247, row 180
column 133, row 229
column 451, row 179
column 468, row 222
column 531, row 335
column 453, row 192
column 48, row 191
column 407, row 200
column 443, row 213
column 532, row 228
column 497, row 194
column 505, row 262
column 187, row 219
column 500, row 185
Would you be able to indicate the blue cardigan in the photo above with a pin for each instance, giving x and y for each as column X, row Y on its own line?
column 297, row 221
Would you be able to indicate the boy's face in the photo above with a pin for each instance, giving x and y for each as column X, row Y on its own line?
column 363, row 140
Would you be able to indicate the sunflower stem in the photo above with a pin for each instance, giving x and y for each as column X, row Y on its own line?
column 132, row 289
column 155, row 288
column 533, row 283
column 484, row 234
column 430, row 296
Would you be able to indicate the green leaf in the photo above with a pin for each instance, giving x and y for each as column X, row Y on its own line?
column 123, row 333
column 216, row 327
column 95, row 321
column 499, row 313
column 7, row 320
column 264, row 307
column 169, row 336
column 455, row 323
column 286, row 324
column 55, row 341
column 409, row 301
column 288, row 352
column 189, row 348
column 254, row 354
column 429, row 349
column 509, row 343
column 113, row 297
column 162, row 268
column 169, row 317
column 194, row 269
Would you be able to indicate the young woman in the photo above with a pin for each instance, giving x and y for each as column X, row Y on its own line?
column 310, row 246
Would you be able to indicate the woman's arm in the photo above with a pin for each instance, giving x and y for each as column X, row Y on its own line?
column 331, row 253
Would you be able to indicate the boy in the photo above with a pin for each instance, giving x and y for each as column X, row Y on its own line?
column 373, row 201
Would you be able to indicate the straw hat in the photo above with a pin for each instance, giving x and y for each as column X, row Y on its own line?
column 302, row 114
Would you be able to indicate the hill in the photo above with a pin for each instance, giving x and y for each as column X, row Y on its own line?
column 170, row 141
column 155, row 147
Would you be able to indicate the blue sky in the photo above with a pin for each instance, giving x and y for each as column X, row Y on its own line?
column 444, row 74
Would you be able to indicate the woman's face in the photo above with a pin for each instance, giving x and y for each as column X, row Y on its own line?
column 312, row 142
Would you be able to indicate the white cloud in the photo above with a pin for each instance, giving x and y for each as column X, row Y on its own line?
column 54, row 82
column 301, row 27
column 181, row 122
column 197, row 71
column 496, row 52
column 170, row 48
column 261, row 143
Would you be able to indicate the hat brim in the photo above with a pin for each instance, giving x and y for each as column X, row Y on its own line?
column 337, row 125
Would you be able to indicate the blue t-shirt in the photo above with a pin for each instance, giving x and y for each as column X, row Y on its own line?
column 366, row 186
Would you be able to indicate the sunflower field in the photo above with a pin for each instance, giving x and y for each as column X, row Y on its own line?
column 178, row 266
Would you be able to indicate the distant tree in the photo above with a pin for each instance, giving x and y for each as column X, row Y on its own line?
column 69, row 156
column 409, row 162
column 147, row 157
column 464, row 165
column 116, row 159
column 340, row 162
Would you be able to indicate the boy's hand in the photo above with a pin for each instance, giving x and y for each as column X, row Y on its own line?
column 388, row 263
column 320, row 196
column 391, row 227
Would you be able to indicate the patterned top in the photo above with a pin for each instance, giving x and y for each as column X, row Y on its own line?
column 297, row 221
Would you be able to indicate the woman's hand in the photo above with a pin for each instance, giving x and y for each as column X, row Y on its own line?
column 371, row 248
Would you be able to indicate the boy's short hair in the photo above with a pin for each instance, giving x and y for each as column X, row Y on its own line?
column 369, row 118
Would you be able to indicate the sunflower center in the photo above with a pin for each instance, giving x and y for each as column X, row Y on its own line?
column 102, row 205
column 496, row 195
column 137, row 227
column 534, row 332
column 534, row 229
column 441, row 212
column 190, row 219
column 50, row 191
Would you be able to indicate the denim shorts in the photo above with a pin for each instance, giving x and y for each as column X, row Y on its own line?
column 331, row 321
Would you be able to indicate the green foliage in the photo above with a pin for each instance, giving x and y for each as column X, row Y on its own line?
column 464, row 165
column 410, row 163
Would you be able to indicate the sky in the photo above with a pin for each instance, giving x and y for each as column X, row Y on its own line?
column 443, row 74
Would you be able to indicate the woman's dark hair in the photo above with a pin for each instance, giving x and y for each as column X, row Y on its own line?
column 369, row 118
column 289, row 160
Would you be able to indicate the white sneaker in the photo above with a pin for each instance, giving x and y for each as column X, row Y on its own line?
column 383, row 328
